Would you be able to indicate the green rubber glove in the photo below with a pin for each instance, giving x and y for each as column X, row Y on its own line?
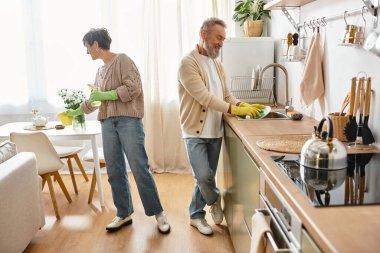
column 76, row 112
column 259, row 106
column 251, row 111
column 103, row 95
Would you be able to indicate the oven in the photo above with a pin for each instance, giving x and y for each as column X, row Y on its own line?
column 286, row 227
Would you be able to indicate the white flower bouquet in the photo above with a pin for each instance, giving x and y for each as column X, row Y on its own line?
column 72, row 99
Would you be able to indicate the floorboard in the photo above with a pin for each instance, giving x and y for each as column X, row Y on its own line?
column 82, row 226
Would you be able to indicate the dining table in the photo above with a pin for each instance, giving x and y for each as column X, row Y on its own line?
column 92, row 130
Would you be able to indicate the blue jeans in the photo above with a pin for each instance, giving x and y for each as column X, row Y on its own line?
column 126, row 135
column 203, row 155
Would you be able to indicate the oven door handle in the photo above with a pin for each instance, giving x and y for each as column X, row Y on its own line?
column 269, row 235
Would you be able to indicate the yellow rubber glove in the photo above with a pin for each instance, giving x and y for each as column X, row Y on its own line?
column 259, row 106
column 251, row 111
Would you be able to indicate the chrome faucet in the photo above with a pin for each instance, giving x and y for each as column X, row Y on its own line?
column 288, row 106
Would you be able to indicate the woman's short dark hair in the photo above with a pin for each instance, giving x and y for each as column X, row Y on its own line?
column 100, row 35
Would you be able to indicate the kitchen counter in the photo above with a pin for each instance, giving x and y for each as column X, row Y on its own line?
column 334, row 229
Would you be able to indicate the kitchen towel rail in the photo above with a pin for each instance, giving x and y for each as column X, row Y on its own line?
column 322, row 21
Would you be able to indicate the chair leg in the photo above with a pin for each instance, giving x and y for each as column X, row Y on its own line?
column 92, row 188
column 47, row 178
column 76, row 157
column 43, row 182
column 62, row 185
column 70, row 165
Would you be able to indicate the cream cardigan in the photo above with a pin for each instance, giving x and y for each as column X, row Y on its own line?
column 194, row 95
column 122, row 75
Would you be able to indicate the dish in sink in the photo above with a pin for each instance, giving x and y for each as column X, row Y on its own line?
column 263, row 113
column 269, row 114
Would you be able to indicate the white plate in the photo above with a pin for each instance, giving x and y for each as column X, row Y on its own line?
column 264, row 113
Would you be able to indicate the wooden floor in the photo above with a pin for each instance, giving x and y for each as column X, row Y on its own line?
column 82, row 226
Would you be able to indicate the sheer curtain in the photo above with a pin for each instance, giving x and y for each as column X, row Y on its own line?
column 44, row 53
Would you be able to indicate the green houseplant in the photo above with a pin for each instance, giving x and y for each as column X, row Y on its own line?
column 251, row 13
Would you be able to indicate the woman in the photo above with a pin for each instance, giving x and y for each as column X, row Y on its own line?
column 119, row 89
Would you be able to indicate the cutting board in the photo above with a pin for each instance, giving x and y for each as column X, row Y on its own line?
column 284, row 144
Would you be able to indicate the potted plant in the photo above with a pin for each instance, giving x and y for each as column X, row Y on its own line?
column 251, row 13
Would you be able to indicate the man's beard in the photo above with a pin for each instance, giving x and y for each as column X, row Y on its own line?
column 212, row 51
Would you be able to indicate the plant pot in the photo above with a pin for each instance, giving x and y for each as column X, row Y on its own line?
column 66, row 120
column 253, row 28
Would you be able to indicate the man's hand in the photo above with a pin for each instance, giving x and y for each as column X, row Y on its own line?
column 76, row 112
column 259, row 106
column 103, row 95
column 251, row 111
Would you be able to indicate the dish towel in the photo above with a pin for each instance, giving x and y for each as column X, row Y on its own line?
column 259, row 227
column 312, row 84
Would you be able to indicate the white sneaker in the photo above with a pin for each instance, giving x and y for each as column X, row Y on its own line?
column 216, row 211
column 162, row 223
column 202, row 226
column 119, row 222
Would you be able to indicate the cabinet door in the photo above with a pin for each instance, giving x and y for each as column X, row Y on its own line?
column 244, row 190
column 307, row 243
column 229, row 139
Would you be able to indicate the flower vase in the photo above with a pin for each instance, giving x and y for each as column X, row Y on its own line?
column 79, row 123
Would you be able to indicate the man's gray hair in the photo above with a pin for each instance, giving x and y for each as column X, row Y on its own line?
column 210, row 22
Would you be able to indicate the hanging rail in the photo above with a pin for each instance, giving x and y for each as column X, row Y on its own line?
column 373, row 10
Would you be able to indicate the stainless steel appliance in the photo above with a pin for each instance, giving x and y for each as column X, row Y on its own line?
column 356, row 185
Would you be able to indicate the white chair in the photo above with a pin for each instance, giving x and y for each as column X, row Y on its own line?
column 48, row 162
column 89, row 157
column 67, row 151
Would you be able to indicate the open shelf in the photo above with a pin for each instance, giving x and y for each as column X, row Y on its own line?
column 278, row 4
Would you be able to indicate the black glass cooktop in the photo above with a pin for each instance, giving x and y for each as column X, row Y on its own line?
column 358, row 184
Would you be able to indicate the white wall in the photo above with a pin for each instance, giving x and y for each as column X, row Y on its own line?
column 340, row 63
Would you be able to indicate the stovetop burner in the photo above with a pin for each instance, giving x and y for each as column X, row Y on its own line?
column 356, row 186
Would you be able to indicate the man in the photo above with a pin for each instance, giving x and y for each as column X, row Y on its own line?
column 204, row 97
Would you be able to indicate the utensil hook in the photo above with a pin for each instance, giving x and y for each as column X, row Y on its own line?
column 365, row 23
column 304, row 27
column 363, row 73
column 344, row 17
column 324, row 23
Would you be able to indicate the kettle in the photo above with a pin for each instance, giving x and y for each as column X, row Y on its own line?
column 39, row 121
column 323, row 162
column 323, row 151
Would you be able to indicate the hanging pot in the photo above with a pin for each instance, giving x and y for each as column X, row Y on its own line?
column 323, row 159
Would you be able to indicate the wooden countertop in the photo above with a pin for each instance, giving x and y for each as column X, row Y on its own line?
column 335, row 229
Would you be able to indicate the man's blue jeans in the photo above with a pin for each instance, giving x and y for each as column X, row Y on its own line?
column 126, row 135
column 203, row 155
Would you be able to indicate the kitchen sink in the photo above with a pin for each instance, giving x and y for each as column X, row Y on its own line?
column 275, row 114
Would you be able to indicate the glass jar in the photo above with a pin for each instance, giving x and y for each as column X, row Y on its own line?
column 79, row 123
column 359, row 35
column 351, row 34
column 345, row 35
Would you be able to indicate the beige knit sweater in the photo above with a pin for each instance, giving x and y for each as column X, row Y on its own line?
column 120, row 74
column 194, row 95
